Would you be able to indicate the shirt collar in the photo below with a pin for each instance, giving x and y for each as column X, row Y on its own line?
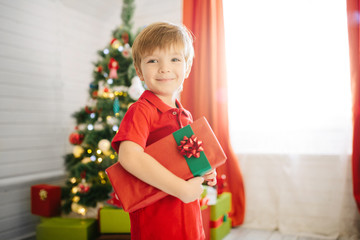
column 159, row 104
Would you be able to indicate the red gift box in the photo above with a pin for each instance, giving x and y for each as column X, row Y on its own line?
column 135, row 194
column 45, row 200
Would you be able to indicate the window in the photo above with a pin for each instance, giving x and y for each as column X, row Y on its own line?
column 288, row 76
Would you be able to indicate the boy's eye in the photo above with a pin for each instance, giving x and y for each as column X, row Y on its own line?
column 175, row 60
column 152, row 61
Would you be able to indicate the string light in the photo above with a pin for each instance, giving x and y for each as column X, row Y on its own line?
column 121, row 48
column 93, row 158
column 115, row 128
column 100, row 160
column 110, row 81
column 98, row 151
column 73, row 180
column 106, row 51
column 90, row 127
column 112, row 156
column 92, row 115
column 89, row 151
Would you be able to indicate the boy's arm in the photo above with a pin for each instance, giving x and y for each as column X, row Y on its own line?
column 140, row 164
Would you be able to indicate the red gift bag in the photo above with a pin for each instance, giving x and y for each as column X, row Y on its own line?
column 135, row 194
column 45, row 200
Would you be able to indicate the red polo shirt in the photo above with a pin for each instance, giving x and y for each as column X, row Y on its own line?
column 146, row 121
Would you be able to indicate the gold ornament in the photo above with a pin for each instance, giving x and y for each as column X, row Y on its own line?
column 78, row 151
column 76, row 199
column 74, row 190
column 73, row 180
column 86, row 160
column 43, row 194
column 104, row 145
column 102, row 174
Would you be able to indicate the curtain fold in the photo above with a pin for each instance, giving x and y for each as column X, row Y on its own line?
column 353, row 30
column 205, row 91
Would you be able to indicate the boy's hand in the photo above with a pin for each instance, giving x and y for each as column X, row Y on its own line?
column 192, row 190
column 210, row 178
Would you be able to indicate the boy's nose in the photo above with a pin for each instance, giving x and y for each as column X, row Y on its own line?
column 164, row 68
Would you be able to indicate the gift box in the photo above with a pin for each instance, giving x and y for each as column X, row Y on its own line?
column 113, row 220
column 57, row 228
column 220, row 223
column 188, row 152
column 45, row 200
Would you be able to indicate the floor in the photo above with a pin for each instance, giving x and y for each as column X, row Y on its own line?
column 242, row 233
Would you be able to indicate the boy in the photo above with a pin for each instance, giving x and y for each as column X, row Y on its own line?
column 163, row 55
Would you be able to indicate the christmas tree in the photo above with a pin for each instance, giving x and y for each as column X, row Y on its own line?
column 114, row 88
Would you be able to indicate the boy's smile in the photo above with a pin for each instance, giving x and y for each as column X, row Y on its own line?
column 164, row 71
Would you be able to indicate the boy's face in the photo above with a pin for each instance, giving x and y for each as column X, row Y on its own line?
column 164, row 71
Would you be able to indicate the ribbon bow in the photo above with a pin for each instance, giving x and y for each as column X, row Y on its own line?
column 191, row 147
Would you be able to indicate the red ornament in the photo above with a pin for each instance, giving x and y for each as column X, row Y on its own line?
column 99, row 69
column 106, row 89
column 191, row 147
column 125, row 37
column 88, row 110
column 76, row 138
column 94, row 94
column 113, row 66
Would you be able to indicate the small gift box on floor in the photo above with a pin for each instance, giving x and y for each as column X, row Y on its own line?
column 193, row 150
column 114, row 220
column 220, row 223
column 57, row 228
column 45, row 200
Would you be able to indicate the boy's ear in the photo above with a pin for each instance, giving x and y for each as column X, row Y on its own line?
column 138, row 72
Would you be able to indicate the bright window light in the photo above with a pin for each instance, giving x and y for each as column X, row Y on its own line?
column 288, row 76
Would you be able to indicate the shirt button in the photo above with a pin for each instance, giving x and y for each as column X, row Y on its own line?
column 174, row 113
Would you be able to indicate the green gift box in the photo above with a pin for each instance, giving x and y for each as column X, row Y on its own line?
column 220, row 223
column 114, row 220
column 58, row 228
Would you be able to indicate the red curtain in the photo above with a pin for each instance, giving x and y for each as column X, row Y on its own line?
column 353, row 29
column 205, row 91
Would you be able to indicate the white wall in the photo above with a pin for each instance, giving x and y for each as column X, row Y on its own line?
column 46, row 52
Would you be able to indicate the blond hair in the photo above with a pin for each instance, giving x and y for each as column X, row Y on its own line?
column 163, row 35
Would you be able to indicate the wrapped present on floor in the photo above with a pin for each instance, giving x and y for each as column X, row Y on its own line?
column 45, row 200
column 113, row 220
column 193, row 150
column 57, row 228
column 220, row 223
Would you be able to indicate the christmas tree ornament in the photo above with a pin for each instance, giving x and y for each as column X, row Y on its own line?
column 73, row 180
column 86, row 160
column 88, row 110
column 94, row 85
column 75, row 138
column 125, row 37
column 136, row 88
column 104, row 145
column 99, row 126
column 78, row 151
column 127, row 51
column 82, row 127
column 94, row 94
column 113, row 67
column 76, row 199
column 98, row 69
column 116, row 106
column 115, row 43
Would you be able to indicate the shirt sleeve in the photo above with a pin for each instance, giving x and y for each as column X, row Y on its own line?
column 135, row 126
